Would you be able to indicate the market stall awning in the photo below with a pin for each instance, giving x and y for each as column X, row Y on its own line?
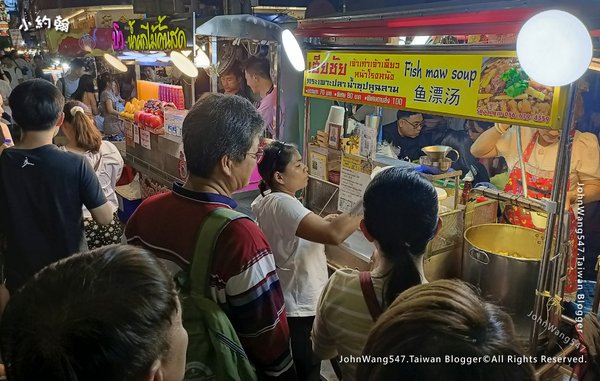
column 495, row 17
column 240, row 26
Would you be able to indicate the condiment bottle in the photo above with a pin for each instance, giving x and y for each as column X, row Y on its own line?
column 467, row 186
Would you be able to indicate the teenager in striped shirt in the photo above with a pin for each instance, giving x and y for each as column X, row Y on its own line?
column 220, row 140
column 400, row 217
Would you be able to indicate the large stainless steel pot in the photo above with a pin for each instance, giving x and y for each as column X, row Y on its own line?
column 503, row 261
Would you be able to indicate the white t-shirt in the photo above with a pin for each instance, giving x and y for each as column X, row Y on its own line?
column 301, row 264
column 70, row 86
column 108, row 165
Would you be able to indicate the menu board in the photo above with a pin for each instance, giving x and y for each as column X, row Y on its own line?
column 354, row 178
column 145, row 139
column 128, row 126
column 485, row 85
column 136, row 134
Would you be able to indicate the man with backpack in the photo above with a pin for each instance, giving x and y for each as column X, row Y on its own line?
column 232, row 301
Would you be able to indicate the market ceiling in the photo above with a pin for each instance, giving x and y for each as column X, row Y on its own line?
column 445, row 18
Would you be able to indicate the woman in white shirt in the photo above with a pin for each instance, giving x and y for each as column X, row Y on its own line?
column 297, row 237
column 83, row 138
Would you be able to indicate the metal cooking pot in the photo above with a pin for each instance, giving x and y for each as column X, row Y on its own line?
column 489, row 262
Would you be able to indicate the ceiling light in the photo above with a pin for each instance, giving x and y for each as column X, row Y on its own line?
column 115, row 62
column 201, row 59
column 420, row 40
column 554, row 48
column 182, row 63
column 293, row 50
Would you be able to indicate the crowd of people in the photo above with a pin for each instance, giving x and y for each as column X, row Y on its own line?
column 118, row 304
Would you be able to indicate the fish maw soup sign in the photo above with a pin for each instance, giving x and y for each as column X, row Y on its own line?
column 488, row 85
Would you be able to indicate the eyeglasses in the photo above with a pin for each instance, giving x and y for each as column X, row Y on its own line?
column 258, row 155
column 415, row 125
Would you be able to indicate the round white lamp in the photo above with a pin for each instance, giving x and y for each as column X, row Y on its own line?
column 554, row 48
column 201, row 59
column 292, row 50
column 182, row 63
column 115, row 62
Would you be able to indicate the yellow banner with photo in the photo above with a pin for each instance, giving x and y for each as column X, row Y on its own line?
column 483, row 85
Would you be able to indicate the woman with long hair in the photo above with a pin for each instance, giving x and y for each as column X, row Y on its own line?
column 297, row 237
column 86, row 93
column 400, row 218
column 438, row 320
column 108, row 108
column 83, row 138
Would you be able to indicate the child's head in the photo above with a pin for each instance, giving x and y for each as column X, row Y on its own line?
column 79, row 127
column 281, row 168
column 38, row 105
column 401, row 214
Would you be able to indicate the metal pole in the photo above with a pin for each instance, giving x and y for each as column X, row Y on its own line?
column 214, row 79
column 562, row 166
column 193, row 56
column 521, row 162
column 306, row 129
column 277, row 67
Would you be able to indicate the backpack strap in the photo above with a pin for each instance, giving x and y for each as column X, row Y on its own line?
column 210, row 231
column 368, row 291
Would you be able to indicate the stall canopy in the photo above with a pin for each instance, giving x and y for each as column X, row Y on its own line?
column 446, row 18
column 241, row 26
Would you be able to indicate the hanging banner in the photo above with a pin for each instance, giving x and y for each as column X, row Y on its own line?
column 489, row 85
column 159, row 34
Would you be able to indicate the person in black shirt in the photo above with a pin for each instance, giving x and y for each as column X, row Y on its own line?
column 43, row 189
column 461, row 142
column 409, row 135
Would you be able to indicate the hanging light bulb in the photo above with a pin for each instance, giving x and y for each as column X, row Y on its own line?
column 182, row 63
column 554, row 48
column 293, row 50
column 115, row 62
column 201, row 59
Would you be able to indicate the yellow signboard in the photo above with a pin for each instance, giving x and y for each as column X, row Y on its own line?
column 488, row 85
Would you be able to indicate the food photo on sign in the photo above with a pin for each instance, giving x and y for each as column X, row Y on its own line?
column 505, row 90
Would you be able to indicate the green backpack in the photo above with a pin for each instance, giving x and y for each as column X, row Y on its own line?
column 214, row 351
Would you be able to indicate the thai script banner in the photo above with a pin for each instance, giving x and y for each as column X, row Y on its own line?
column 488, row 85
column 145, row 35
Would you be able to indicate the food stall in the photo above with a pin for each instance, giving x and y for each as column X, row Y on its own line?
column 451, row 80
column 152, row 120
column 154, row 143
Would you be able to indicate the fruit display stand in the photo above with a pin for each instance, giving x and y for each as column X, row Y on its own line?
column 151, row 148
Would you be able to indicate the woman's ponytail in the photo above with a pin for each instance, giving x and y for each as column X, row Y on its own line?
column 401, row 214
column 87, row 136
column 403, row 275
column 262, row 187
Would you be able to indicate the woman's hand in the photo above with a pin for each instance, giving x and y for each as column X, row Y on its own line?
column 330, row 217
column 570, row 200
